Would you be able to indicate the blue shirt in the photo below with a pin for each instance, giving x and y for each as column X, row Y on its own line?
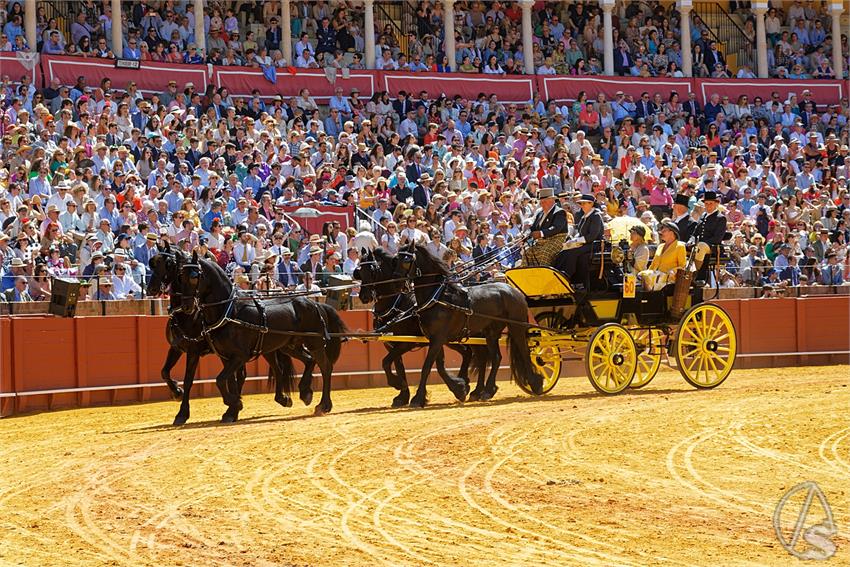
column 174, row 200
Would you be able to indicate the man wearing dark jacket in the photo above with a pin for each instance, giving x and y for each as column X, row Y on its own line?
column 682, row 216
column 708, row 233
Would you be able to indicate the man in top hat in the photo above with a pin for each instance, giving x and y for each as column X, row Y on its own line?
column 682, row 216
column 709, row 231
column 551, row 219
column 590, row 228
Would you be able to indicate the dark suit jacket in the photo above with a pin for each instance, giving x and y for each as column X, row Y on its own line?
column 620, row 67
column 711, row 60
column 553, row 223
column 591, row 227
column 644, row 109
column 692, row 108
column 420, row 198
column 711, row 228
column 413, row 172
column 288, row 273
column 686, row 228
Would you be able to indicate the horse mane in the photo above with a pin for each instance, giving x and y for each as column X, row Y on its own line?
column 381, row 255
column 432, row 264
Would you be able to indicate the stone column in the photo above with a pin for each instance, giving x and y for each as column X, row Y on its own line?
column 200, row 34
column 759, row 10
column 286, row 35
column 835, row 11
column 449, row 38
column 687, row 53
column 369, row 34
column 527, row 35
column 30, row 26
column 117, row 31
column 607, row 36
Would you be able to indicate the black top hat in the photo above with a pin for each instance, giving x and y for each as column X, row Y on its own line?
column 709, row 196
column 585, row 198
column 682, row 199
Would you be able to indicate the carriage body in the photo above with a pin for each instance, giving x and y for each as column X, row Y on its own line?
column 622, row 340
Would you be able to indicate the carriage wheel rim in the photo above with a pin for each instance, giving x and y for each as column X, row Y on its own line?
column 706, row 346
column 649, row 356
column 547, row 361
column 611, row 359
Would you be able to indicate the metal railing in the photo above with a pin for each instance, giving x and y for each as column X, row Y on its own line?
column 397, row 15
column 726, row 30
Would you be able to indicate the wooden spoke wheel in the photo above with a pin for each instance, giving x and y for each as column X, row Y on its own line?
column 611, row 359
column 706, row 346
column 546, row 360
column 648, row 344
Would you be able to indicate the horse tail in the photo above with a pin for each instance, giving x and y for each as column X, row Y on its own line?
column 287, row 372
column 335, row 327
column 522, row 371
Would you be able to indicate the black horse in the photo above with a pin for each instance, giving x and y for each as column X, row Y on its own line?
column 395, row 312
column 184, row 334
column 448, row 312
column 243, row 327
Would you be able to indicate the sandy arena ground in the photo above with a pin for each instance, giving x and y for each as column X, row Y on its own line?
column 662, row 476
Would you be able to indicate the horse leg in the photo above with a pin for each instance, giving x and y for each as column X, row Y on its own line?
column 387, row 363
column 459, row 386
column 281, row 371
column 305, row 385
column 325, row 405
column 495, row 361
column 480, row 363
column 235, row 384
column 397, row 351
column 171, row 360
column 193, row 357
column 225, row 382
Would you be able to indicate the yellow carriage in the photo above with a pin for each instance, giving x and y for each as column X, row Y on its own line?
column 623, row 339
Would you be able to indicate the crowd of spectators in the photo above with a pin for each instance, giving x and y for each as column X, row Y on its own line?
column 568, row 37
column 93, row 177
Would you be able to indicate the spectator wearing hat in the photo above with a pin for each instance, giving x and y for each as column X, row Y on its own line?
column 638, row 249
column 682, row 216
column 288, row 273
column 589, row 229
column 551, row 219
column 669, row 258
column 831, row 270
column 17, row 267
column 123, row 285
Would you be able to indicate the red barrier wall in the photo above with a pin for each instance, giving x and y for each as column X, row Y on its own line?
column 240, row 81
column 49, row 356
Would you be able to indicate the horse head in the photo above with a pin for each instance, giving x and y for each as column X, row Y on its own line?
column 405, row 262
column 367, row 274
column 191, row 282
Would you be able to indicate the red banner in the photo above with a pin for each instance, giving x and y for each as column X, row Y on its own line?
column 468, row 86
column 823, row 92
column 240, row 81
column 9, row 65
column 343, row 215
column 568, row 88
column 150, row 78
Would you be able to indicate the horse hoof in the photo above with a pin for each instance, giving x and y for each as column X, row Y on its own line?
column 460, row 391
column 487, row 395
column 417, row 402
column 402, row 399
column 322, row 409
column 228, row 418
column 307, row 397
column 475, row 395
column 284, row 401
column 180, row 419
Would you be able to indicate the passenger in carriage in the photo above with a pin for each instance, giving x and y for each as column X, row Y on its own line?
column 638, row 249
column 669, row 258
column 682, row 212
column 589, row 229
column 551, row 219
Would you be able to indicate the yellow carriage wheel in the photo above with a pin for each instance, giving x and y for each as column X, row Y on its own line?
column 611, row 359
column 648, row 344
column 706, row 346
column 546, row 360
